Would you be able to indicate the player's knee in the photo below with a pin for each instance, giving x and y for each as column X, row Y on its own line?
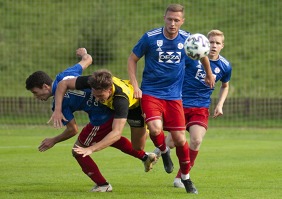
column 195, row 143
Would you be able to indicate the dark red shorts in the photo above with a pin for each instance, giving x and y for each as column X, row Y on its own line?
column 91, row 134
column 199, row 116
column 169, row 111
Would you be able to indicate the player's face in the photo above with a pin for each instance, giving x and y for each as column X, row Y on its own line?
column 216, row 44
column 173, row 22
column 41, row 93
column 101, row 95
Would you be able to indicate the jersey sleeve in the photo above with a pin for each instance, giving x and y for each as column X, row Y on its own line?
column 140, row 48
column 121, row 106
column 82, row 82
column 227, row 76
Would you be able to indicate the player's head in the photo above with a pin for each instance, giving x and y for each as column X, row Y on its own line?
column 173, row 18
column 101, row 83
column 216, row 39
column 40, row 84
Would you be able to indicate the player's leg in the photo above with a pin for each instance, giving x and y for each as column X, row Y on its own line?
column 174, row 122
column 152, row 109
column 138, row 137
column 125, row 146
column 197, row 134
column 137, row 128
column 87, row 164
column 197, row 126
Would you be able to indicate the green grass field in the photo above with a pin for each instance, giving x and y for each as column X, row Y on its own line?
column 233, row 163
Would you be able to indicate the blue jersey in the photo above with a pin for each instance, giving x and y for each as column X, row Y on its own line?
column 80, row 100
column 195, row 92
column 164, row 64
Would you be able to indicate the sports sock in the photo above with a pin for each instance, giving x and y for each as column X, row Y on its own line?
column 193, row 156
column 183, row 157
column 90, row 168
column 159, row 141
column 125, row 146
column 178, row 175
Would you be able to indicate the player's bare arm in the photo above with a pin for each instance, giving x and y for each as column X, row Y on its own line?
column 70, row 131
column 112, row 137
column 86, row 59
column 61, row 90
column 218, row 111
column 132, row 70
column 209, row 79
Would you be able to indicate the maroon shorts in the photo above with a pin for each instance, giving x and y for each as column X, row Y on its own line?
column 91, row 134
column 199, row 116
column 169, row 111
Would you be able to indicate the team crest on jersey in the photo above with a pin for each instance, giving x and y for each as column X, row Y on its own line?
column 169, row 57
column 180, row 46
column 159, row 44
column 217, row 70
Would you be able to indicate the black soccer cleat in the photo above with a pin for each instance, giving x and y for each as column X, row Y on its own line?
column 168, row 164
column 189, row 186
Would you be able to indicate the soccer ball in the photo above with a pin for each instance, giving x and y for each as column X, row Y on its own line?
column 197, row 46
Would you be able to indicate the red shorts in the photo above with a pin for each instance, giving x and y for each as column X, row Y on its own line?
column 199, row 116
column 169, row 111
column 91, row 134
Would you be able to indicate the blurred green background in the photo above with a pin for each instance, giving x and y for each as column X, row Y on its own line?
column 43, row 35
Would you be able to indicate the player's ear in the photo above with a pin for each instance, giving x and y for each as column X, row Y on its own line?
column 45, row 86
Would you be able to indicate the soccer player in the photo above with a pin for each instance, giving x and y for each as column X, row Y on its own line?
column 161, row 87
column 196, row 95
column 115, row 93
column 100, row 116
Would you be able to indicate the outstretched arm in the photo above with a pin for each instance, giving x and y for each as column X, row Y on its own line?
column 209, row 79
column 70, row 131
column 218, row 111
column 132, row 70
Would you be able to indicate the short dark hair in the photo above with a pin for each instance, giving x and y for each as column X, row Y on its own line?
column 37, row 80
column 101, row 80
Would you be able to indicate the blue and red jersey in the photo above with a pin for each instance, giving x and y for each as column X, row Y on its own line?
column 195, row 92
column 164, row 63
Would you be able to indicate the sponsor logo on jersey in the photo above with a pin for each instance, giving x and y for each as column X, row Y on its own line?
column 169, row 57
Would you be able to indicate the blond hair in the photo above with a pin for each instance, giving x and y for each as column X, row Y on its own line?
column 216, row 33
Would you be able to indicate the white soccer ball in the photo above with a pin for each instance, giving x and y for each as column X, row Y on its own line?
column 197, row 46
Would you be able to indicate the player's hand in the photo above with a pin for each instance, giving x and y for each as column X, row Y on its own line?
column 81, row 51
column 57, row 118
column 137, row 93
column 217, row 112
column 83, row 151
column 46, row 144
column 210, row 80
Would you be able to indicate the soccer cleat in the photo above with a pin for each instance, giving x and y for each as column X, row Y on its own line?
column 189, row 186
column 177, row 183
column 148, row 163
column 158, row 153
column 103, row 188
column 168, row 164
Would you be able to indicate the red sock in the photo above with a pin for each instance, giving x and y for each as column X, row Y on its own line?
column 178, row 175
column 183, row 157
column 159, row 141
column 125, row 146
column 90, row 168
column 193, row 156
